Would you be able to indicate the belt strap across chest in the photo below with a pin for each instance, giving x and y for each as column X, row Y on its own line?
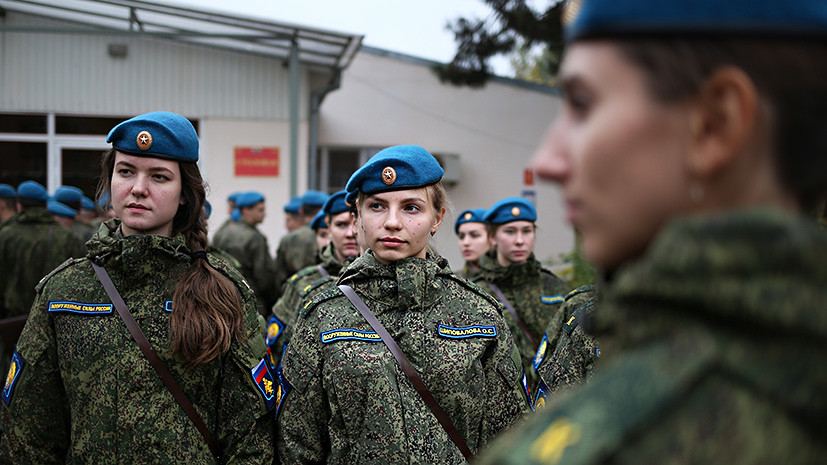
column 152, row 356
column 514, row 315
column 410, row 372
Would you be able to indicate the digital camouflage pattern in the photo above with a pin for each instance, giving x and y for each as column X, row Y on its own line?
column 248, row 245
column 715, row 349
column 296, row 250
column 348, row 401
column 298, row 288
column 25, row 257
column 568, row 352
column 84, row 393
column 536, row 294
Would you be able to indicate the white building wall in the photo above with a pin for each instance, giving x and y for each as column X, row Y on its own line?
column 385, row 100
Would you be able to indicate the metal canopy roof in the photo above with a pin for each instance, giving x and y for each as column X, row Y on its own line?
column 134, row 17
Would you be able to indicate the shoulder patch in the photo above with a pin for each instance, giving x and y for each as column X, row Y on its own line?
column 265, row 383
column 16, row 367
column 61, row 267
column 65, row 306
column 284, row 388
column 274, row 328
column 466, row 331
column 315, row 285
column 540, row 397
column 168, row 306
column 541, row 352
column 580, row 290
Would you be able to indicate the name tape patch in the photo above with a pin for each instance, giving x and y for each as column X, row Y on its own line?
column 16, row 367
column 552, row 299
column 79, row 307
column 349, row 334
column 467, row 331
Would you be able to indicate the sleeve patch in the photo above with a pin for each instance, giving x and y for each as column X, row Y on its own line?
column 264, row 380
column 168, row 306
column 16, row 367
column 284, row 388
column 466, row 331
column 540, row 398
column 527, row 391
column 541, row 352
column 274, row 328
column 552, row 299
column 79, row 308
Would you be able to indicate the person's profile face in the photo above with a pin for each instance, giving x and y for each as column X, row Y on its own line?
column 617, row 154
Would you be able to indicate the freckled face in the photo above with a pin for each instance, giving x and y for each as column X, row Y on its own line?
column 514, row 242
column 397, row 224
column 146, row 194
column 473, row 241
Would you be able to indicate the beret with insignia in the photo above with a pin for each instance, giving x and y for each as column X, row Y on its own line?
column 393, row 169
column 751, row 18
column 511, row 209
column 32, row 190
column 159, row 134
column 473, row 215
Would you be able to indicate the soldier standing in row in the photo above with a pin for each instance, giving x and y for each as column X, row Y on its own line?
column 529, row 294
column 691, row 152
column 81, row 391
column 473, row 240
column 298, row 248
column 343, row 399
column 248, row 245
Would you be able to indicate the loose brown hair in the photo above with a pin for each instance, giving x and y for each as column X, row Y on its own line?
column 208, row 312
column 789, row 75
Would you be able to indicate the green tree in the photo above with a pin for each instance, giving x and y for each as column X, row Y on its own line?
column 513, row 26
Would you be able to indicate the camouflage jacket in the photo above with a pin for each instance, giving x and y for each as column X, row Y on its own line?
column 535, row 293
column 81, row 391
column 30, row 247
column 296, row 250
column 249, row 246
column 715, row 349
column 296, row 289
column 344, row 398
column 568, row 357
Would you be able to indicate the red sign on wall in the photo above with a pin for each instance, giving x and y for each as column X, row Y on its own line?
column 256, row 161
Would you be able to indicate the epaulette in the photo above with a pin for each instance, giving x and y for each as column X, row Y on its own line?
column 302, row 273
column 468, row 284
column 315, row 285
column 62, row 266
column 222, row 265
column 580, row 290
column 323, row 296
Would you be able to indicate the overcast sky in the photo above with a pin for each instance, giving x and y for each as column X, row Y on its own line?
column 414, row 27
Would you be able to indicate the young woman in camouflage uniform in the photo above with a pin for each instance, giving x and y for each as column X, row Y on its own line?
column 344, row 399
column 473, row 240
column 534, row 292
column 80, row 390
column 691, row 151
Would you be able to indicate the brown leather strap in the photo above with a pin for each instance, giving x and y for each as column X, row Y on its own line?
column 410, row 372
column 513, row 312
column 323, row 271
column 153, row 358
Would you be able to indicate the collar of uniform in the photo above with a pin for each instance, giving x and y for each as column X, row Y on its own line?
column 410, row 283
column 327, row 258
column 511, row 274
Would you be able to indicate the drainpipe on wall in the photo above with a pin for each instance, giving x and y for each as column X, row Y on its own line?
column 315, row 104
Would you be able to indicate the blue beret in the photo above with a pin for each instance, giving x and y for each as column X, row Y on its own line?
column 104, row 202
column 318, row 222
column 68, row 194
column 234, row 196
column 60, row 209
column 511, row 209
column 790, row 18
column 207, row 209
column 314, row 198
column 293, row 205
column 392, row 169
column 158, row 134
column 32, row 190
column 235, row 215
column 86, row 203
column 248, row 199
column 7, row 191
column 474, row 215
column 336, row 204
